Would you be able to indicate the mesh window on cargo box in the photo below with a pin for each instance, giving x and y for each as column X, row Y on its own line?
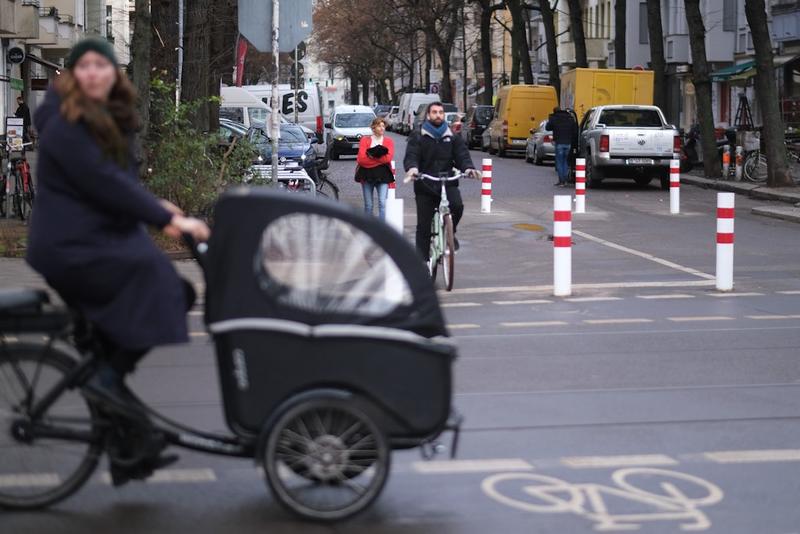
column 631, row 117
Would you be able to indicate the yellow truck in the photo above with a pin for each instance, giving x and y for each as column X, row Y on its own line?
column 518, row 109
column 583, row 89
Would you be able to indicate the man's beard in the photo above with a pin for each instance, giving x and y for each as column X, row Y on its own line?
column 436, row 122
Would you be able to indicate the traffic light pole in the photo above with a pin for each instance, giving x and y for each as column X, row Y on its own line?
column 296, row 81
column 276, row 125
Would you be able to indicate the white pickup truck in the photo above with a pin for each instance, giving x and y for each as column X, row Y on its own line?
column 633, row 142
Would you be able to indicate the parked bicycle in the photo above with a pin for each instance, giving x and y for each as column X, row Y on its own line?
column 756, row 164
column 443, row 249
column 16, row 184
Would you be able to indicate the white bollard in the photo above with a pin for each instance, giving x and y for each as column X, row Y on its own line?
column 392, row 194
column 394, row 213
column 725, row 212
column 486, row 186
column 739, row 163
column 674, row 186
column 580, row 185
column 562, row 245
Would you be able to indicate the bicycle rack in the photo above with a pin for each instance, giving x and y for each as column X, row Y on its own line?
column 286, row 175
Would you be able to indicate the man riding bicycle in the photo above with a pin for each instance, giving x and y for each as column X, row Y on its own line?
column 434, row 150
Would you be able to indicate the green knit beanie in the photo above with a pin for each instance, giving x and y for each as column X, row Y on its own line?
column 91, row 44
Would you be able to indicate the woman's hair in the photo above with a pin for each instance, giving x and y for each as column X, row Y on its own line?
column 376, row 121
column 110, row 123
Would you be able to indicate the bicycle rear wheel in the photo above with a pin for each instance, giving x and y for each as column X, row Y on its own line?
column 449, row 256
column 755, row 167
column 46, row 460
column 328, row 189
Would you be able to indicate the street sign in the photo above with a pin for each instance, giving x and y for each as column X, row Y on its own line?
column 17, row 84
column 299, row 71
column 300, row 50
column 255, row 23
column 434, row 89
column 15, row 55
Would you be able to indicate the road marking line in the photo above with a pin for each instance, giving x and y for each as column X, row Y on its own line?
column 519, row 302
column 742, row 457
column 175, row 476
column 665, row 297
column 604, row 285
column 645, row 255
column 763, row 317
column 788, row 292
column 198, row 334
column 635, row 460
column 617, row 321
column 728, row 295
column 471, row 466
column 30, row 480
column 534, row 323
column 462, row 326
column 10, row 339
column 591, row 299
column 699, row 318
column 196, row 313
column 460, row 305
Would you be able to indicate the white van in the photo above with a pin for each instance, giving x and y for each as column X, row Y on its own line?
column 309, row 104
column 240, row 106
column 348, row 124
column 408, row 113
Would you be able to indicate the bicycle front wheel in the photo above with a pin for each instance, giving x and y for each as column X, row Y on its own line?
column 449, row 256
column 45, row 460
column 755, row 167
column 327, row 188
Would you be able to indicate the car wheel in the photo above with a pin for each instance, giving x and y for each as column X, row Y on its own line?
column 501, row 149
column 594, row 177
column 643, row 181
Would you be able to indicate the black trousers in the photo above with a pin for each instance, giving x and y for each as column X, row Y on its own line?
column 427, row 203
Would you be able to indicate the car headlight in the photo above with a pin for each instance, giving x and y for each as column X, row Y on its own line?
column 303, row 157
column 339, row 138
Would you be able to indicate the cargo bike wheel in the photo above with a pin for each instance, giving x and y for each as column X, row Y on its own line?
column 325, row 459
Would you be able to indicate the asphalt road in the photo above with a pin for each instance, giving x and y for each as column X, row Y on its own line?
column 646, row 400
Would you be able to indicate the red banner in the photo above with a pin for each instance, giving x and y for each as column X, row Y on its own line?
column 241, row 53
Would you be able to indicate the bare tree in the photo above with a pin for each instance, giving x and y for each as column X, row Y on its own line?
column 578, row 37
column 702, row 88
column 519, row 42
column 657, row 61
column 140, row 68
column 620, row 29
column 767, row 95
column 552, row 46
column 487, row 9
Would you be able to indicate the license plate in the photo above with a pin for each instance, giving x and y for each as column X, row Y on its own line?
column 355, row 145
column 518, row 141
column 640, row 161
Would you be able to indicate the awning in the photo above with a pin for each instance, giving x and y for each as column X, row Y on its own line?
column 723, row 75
column 44, row 62
column 777, row 61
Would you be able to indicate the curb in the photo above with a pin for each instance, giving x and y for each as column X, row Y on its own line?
column 785, row 213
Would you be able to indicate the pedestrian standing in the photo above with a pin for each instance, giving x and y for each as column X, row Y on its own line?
column 88, row 238
column 565, row 130
column 23, row 112
column 374, row 171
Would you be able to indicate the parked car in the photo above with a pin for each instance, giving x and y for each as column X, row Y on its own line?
column 293, row 146
column 486, row 138
column 230, row 130
column 633, row 142
column 540, row 145
column 453, row 118
column 381, row 110
column 477, row 119
column 348, row 124
column 409, row 104
column 392, row 117
column 518, row 109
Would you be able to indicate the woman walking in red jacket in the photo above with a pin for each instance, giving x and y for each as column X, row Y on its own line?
column 374, row 172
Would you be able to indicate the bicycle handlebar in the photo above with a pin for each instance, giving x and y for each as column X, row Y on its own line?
column 442, row 178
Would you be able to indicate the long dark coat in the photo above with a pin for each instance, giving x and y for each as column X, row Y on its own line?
column 88, row 239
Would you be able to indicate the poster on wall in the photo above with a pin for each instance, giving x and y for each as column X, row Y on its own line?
column 14, row 133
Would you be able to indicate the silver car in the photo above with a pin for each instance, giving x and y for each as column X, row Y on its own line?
column 540, row 145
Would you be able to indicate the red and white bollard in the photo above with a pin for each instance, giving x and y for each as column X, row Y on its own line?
column 562, row 245
column 392, row 194
column 580, row 185
column 725, row 212
column 739, row 163
column 726, row 161
column 486, row 186
column 674, row 186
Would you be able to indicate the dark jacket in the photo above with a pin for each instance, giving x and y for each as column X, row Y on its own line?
column 564, row 127
column 88, row 240
column 24, row 113
column 435, row 156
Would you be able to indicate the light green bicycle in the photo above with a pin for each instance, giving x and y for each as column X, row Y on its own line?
column 443, row 249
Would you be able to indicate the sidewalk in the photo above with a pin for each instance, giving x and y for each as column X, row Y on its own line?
column 790, row 196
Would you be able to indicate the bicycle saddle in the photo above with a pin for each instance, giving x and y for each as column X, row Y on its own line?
column 22, row 299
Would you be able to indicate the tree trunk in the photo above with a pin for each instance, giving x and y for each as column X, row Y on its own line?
column 196, row 59
column 519, row 40
column 164, row 21
column 486, row 53
column 552, row 45
column 767, row 95
column 514, row 60
column 428, row 63
column 620, row 28
column 140, row 63
column 578, row 37
column 365, row 90
column 702, row 88
column 445, row 92
column 657, row 61
column 354, row 89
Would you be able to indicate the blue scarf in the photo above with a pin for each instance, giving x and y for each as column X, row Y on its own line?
column 437, row 133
